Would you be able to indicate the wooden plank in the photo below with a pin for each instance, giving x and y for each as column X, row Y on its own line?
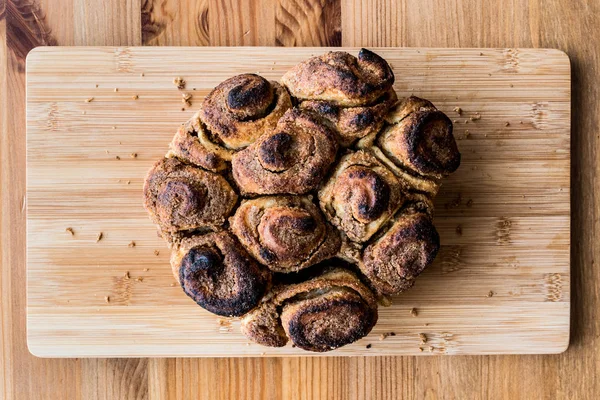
column 241, row 23
column 175, row 23
column 75, row 180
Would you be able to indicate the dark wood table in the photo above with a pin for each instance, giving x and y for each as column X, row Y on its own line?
column 569, row 25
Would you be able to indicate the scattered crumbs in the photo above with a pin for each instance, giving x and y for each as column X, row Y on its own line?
column 413, row 312
column 179, row 82
column 156, row 252
column 423, row 338
column 247, row 32
column 70, row 230
column 392, row 333
column 470, row 203
column 368, row 346
column 490, row 294
column 485, row 135
column 172, row 284
column 126, row 275
column 263, row 353
column 186, row 98
column 128, row 182
column 431, row 349
column 511, row 85
column 146, row 270
column 139, row 279
column 506, row 123
column 116, row 89
column 142, row 74
column 427, row 324
column 459, row 230
column 383, row 336
column 107, row 299
column 455, row 202
column 99, row 237
column 135, row 97
column 131, row 244
column 114, row 127
column 457, row 110
column 480, row 53
column 117, row 157
column 455, row 121
column 247, row 343
column 475, row 117
column 182, row 109
column 489, row 74
column 83, row 112
column 133, row 155
column 421, row 349
column 193, row 88
column 89, row 99
column 96, row 85
column 466, row 121
column 120, row 143
column 521, row 122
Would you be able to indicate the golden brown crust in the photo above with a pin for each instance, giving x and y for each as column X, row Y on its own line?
column 321, row 314
column 340, row 78
column 352, row 123
column 242, row 108
column 412, row 182
column 181, row 198
column 360, row 196
column 193, row 144
column 291, row 159
column 420, row 139
column 285, row 233
column 398, row 256
column 218, row 274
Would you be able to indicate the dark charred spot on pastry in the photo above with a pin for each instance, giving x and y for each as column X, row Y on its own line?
column 274, row 152
column 432, row 145
column 371, row 194
column 362, row 119
column 267, row 255
column 199, row 261
column 322, row 107
column 251, row 97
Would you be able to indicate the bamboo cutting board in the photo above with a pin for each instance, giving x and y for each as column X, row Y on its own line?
column 500, row 283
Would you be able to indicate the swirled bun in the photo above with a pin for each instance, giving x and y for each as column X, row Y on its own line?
column 285, row 233
column 181, row 198
column 291, row 159
column 320, row 314
column 361, row 195
column 218, row 274
column 340, row 78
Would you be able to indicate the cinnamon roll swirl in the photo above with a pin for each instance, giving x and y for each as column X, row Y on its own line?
column 217, row 273
column 340, row 78
column 361, row 195
column 285, row 233
column 181, row 198
column 321, row 314
column 232, row 117
column 419, row 139
column 393, row 261
column 291, row 159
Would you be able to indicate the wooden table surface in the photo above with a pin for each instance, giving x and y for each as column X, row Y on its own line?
column 570, row 25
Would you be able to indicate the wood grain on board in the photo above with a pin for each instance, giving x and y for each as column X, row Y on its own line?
column 499, row 285
column 563, row 24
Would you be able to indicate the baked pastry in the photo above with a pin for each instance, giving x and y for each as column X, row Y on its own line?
column 352, row 95
column 321, row 314
column 291, row 159
column 361, row 195
column 275, row 256
column 340, row 78
column 419, row 139
column 218, row 274
column 232, row 116
column 182, row 199
column 393, row 260
column 285, row 233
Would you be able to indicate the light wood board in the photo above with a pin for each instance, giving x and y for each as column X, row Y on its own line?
column 510, row 199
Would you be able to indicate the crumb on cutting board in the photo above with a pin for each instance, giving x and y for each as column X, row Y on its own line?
column 131, row 244
column 413, row 312
column 179, row 82
column 70, row 230
column 89, row 99
column 99, row 237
